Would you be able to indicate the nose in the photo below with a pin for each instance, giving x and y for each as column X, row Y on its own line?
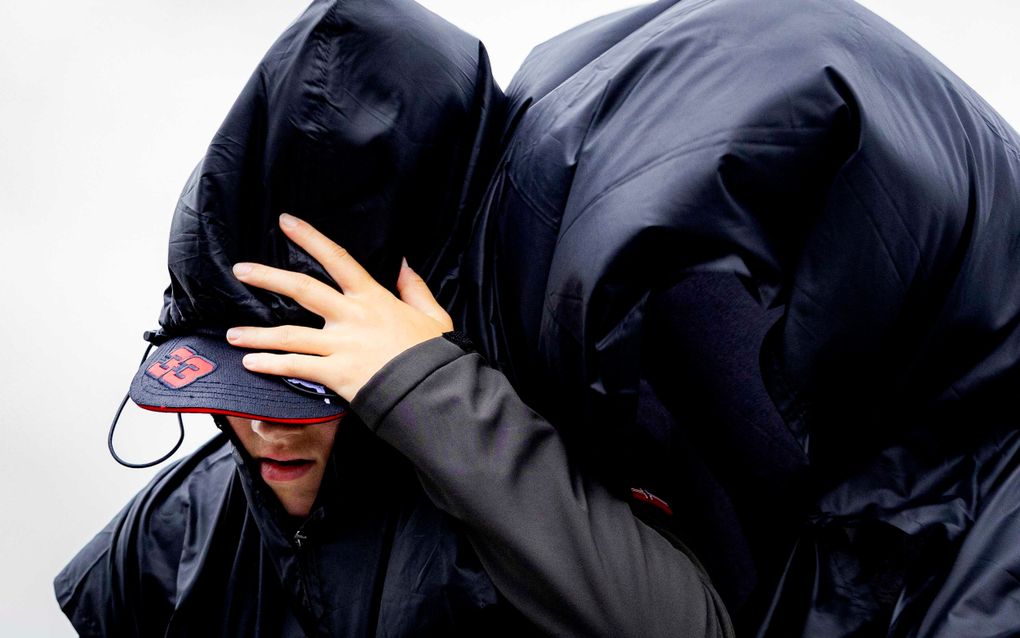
column 272, row 432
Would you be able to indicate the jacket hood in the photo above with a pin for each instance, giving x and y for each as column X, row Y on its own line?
column 337, row 127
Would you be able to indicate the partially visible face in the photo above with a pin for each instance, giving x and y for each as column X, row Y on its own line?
column 291, row 458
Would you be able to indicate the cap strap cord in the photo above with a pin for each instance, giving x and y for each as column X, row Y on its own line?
column 113, row 427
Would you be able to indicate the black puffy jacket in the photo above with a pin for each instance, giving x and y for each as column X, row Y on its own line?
column 851, row 182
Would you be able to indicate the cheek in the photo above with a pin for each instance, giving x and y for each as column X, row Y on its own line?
column 245, row 435
column 324, row 438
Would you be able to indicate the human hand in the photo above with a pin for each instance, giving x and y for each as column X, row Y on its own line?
column 366, row 326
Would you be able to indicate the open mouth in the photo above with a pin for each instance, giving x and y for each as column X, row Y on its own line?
column 274, row 470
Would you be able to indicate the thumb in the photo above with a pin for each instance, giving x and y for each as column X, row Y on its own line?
column 415, row 293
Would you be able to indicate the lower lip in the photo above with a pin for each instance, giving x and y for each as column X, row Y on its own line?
column 277, row 472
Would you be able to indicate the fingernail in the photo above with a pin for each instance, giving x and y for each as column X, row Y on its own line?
column 242, row 269
column 234, row 334
column 288, row 221
column 250, row 360
column 403, row 262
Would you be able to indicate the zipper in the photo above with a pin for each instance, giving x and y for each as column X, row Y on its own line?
column 300, row 536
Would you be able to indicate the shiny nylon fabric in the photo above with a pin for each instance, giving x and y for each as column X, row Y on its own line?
column 336, row 126
column 851, row 181
column 206, row 550
column 367, row 119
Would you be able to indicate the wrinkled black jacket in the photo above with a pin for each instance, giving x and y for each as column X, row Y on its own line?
column 848, row 179
column 337, row 125
column 206, row 550
column 851, row 182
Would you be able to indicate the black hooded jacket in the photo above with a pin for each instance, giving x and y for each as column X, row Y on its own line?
column 849, row 182
column 206, row 550
column 339, row 126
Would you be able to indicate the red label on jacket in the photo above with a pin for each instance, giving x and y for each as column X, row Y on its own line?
column 645, row 496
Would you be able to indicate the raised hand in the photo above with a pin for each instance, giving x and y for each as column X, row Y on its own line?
column 365, row 326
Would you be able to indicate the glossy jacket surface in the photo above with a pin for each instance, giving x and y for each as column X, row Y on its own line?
column 206, row 550
column 337, row 126
column 850, row 180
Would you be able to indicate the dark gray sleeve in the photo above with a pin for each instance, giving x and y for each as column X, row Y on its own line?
column 566, row 553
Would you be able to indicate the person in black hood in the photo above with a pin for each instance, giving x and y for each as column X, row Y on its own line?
column 801, row 155
column 378, row 124
column 802, row 152
column 295, row 520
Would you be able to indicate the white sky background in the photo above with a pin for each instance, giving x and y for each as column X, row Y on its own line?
column 105, row 106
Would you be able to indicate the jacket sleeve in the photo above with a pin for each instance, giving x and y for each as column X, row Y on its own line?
column 121, row 582
column 124, row 581
column 574, row 559
column 84, row 588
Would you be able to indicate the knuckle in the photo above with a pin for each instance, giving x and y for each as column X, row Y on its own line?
column 357, row 313
column 337, row 253
column 410, row 280
column 289, row 365
column 411, row 276
column 303, row 285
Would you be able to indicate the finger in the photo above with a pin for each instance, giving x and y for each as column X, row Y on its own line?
column 307, row 291
column 415, row 292
column 301, row 366
column 339, row 263
column 283, row 338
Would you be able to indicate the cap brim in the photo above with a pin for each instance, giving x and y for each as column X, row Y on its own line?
column 203, row 373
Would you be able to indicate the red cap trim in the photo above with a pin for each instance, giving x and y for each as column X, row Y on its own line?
column 254, row 417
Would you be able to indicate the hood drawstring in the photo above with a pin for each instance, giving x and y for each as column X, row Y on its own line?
column 116, row 417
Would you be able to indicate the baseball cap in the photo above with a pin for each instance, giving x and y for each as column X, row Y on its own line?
column 201, row 372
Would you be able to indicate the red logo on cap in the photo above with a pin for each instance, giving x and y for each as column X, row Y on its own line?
column 181, row 367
